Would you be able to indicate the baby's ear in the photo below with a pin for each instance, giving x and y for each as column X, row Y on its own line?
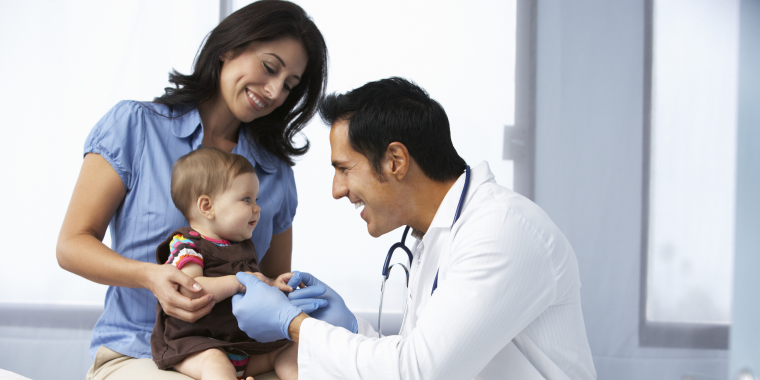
column 205, row 207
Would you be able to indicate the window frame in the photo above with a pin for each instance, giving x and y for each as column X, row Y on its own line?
column 519, row 139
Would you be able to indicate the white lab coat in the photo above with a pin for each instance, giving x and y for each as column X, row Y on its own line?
column 507, row 304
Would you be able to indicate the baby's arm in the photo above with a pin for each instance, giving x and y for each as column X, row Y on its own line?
column 227, row 286
column 185, row 256
column 221, row 287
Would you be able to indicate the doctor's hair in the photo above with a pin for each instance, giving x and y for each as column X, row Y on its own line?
column 205, row 171
column 264, row 20
column 396, row 110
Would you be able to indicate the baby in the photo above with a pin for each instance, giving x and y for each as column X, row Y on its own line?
column 216, row 191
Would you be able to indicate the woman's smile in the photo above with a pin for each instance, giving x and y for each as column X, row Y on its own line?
column 257, row 102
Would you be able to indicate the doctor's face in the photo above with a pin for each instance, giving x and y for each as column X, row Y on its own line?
column 356, row 180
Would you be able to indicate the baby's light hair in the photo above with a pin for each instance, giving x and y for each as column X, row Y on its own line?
column 205, row 171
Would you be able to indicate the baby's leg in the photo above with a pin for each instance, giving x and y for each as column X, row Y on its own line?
column 286, row 363
column 211, row 364
column 259, row 364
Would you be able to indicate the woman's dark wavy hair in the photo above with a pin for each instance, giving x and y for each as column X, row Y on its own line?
column 264, row 20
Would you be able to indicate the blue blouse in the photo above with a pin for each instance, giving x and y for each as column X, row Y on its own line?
column 141, row 141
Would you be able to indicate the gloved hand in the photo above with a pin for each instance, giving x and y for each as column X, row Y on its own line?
column 335, row 312
column 263, row 312
column 308, row 305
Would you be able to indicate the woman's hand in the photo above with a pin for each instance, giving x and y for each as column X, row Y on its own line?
column 165, row 280
column 97, row 194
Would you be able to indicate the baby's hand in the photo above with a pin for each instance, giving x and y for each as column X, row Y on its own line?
column 282, row 282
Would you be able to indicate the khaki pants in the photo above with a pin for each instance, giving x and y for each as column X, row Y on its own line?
column 111, row 365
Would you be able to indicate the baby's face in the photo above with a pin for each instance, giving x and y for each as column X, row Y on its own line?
column 235, row 210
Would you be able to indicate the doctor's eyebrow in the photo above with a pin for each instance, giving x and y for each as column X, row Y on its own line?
column 283, row 64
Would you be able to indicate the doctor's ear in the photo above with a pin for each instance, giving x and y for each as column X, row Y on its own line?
column 397, row 159
column 205, row 206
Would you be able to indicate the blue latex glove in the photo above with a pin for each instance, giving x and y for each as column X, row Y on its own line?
column 263, row 312
column 307, row 305
column 335, row 312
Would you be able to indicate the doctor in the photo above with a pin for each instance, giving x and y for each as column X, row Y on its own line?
column 495, row 295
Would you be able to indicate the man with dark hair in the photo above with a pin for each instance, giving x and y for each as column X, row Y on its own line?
column 494, row 291
column 395, row 110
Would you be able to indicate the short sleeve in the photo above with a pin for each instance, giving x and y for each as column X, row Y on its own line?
column 183, row 251
column 283, row 219
column 119, row 137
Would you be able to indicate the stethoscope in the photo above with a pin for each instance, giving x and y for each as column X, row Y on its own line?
column 402, row 245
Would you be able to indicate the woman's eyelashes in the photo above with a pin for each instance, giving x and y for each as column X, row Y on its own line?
column 269, row 69
column 272, row 71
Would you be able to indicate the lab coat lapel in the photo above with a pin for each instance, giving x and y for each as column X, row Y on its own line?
column 434, row 251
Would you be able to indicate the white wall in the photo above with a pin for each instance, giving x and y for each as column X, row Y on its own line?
column 65, row 63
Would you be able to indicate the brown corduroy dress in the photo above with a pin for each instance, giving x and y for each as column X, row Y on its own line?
column 173, row 340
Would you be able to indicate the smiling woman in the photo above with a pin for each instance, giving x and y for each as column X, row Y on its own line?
column 255, row 84
column 257, row 81
column 285, row 60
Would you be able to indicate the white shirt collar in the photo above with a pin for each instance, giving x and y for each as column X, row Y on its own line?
column 445, row 214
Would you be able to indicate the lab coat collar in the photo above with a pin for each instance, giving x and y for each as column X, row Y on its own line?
column 445, row 214
column 186, row 122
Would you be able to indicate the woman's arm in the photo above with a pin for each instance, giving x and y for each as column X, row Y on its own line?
column 97, row 194
column 278, row 257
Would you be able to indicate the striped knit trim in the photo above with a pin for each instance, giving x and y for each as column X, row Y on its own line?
column 184, row 256
column 184, row 260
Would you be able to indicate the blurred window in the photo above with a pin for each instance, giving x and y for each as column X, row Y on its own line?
column 690, row 197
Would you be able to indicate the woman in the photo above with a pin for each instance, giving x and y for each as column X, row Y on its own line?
column 255, row 84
